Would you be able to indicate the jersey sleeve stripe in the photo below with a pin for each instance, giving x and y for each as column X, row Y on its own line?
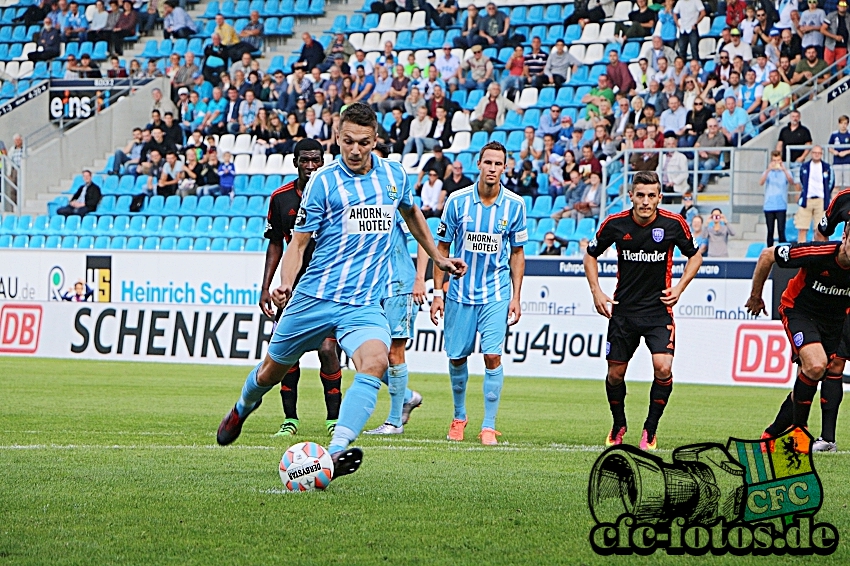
column 678, row 218
column 609, row 218
column 844, row 193
column 805, row 251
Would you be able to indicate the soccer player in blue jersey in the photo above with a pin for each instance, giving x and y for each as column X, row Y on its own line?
column 487, row 224
column 405, row 294
column 349, row 208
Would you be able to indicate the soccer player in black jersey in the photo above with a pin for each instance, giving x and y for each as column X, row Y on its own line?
column 283, row 208
column 815, row 317
column 643, row 301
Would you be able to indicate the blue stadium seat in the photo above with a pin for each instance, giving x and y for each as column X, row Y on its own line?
column 39, row 225
column 135, row 243
column 755, row 249
column 535, row 14
column 433, row 224
column 255, row 227
column 55, row 225
column 110, row 184
column 552, row 14
column 72, row 225
column 101, row 51
column 203, row 226
column 69, row 242
column 238, row 206
column 101, row 242
column 543, row 226
column 355, row 24
column 201, row 244
column 270, row 25
column 20, row 241
column 106, row 206
column 542, row 207
column 513, row 121
column 227, row 9
column 255, row 185
column 251, row 245
column 196, row 46
column 404, row 40
column 255, row 206
column 37, row 241
column 188, row 205
column 152, row 226
column 340, row 24
column 554, row 34
column 126, row 185
column 573, row 250
column 154, row 205
column 459, row 96
column 572, row 34
column 242, row 9
column 118, row 243
column 514, row 143
column 23, row 225
column 235, row 244
column 151, row 243
column 500, row 137
column 222, row 206
column 236, row 228
column 168, row 243
column 531, row 117
column 565, row 96
column 186, row 226
column 518, row 16
column 219, row 226
column 184, row 244
column 166, row 46
column 479, row 139
column 212, row 10
column 151, row 50
column 717, row 25
column 586, row 229
column 531, row 248
column 172, row 206
column 546, row 98
column 53, row 242
column 420, row 39
column 566, row 228
column 559, row 202
column 286, row 26
column 218, row 245
column 205, row 206
column 170, row 224
column 40, row 71
column 137, row 225
column 120, row 226
column 7, row 226
column 122, row 205
column 436, row 39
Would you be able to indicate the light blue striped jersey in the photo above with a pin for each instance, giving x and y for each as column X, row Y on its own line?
column 483, row 237
column 403, row 268
column 353, row 219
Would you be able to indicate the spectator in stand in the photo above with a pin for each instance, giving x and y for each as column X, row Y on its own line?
column 654, row 98
column 716, row 234
column 226, row 175
column 835, row 30
column 816, row 184
column 573, row 191
column 183, row 77
column 550, row 123
column 708, row 152
column 447, row 65
column 738, row 48
column 588, row 163
column 129, row 156
column 644, row 160
column 590, row 11
column 675, row 118
column 558, row 63
column 786, row 71
column 778, row 179
column 535, row 61
column 47, row 44
column 688, row 14
column 641, row 75
column 248, row 111
column 642, row 22
column 668, row 30
column 513, row 78
column 480, row 70
column 124, row 27
column 98, row 22
column 312, row 53
column 591, row 199
column 602, row 91
column 494, row 27
column 86, row 68
column 243, row 65
column 689, row 209
column 532, row 147
column 415, row 101
column 420, row 127
column 839, row 143
column 810, row 25
column 207, row 180
column 252, row 34
column 153, row 170
column 775, row 97
column 469, row 30
column 177, row 23
column 660, row 51
column 439, row 100
column 441, row 132
column 751, row 93
column 300, row 87
column 383, row 84
column 749, row 27
column 231, row 114
column 76, row 24
column 363, row 85
column 550, row 246
column 399, row 130
column 170, row 175
column 735, row 123
column 790, row 46
column 116, row 71
column 215, row 120
column 673, row 167
column 34, row 14
column 809, row 67
column 491, row 109
column 161, row 103
column 619, row 74
column 85, row 199
column 339, row 45
column 442, row 15
column 457, row 180
column 735, row 12
column 433, row 196
column 439, row 163
column 171, row 131
column 794, row 134
column 697, row 122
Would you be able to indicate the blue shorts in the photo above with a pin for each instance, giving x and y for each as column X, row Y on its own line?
column 462, row 321
column 307, row 321
column 401, row 314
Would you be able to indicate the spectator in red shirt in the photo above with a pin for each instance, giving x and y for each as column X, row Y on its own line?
column 588, row 163
column 735, row 12
column 619, row 74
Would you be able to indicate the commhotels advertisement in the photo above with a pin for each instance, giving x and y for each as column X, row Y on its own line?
column 202, row 308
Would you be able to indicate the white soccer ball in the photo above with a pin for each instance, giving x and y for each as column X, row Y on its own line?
column 306, row 466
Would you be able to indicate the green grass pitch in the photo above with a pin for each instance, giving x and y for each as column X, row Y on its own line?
column 116, row 463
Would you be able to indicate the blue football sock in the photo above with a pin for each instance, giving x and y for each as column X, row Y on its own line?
column 357, row 406
column 493, row 380
column 408, row 395
column 398, row 387
column 252, row 393
column 459, row 376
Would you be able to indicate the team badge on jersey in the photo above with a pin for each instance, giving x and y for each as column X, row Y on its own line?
column 657, row 234
column 783, row 251
column 301, row 219
column 503, row 225
column 392, row 192
column 441, row 229
column 798, row 339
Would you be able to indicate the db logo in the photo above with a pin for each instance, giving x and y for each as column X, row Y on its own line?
column 762, row 354
column 20, row 326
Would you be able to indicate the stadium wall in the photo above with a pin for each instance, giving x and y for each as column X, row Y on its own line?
column 25, row 119
column 202, row 308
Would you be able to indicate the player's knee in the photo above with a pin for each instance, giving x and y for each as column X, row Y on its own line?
column 270, row 373
column 616, row 374
column 836, row 366
column 815, row 369
column 397, row 349
column 492, row 361
column 663, row 371
column 458, row 362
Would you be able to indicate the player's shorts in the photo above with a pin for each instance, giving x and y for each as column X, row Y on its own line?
column 307, row 321
column 462, row 321
column 401, row 314
column 842, row 175
column 843, row 350
column 805, row 218
column 625, row 332
column 803, row 329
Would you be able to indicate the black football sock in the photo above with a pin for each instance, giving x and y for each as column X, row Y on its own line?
column 784, row 419
column 617, row 402
column 289, row 392
column 804, row 392
column 659, row 394
column 333, row 393
column 831, row 394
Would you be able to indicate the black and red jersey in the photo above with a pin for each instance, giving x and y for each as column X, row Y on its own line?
column 838, row 212
column 821, row 288
column 644, row 258
column 283, row 209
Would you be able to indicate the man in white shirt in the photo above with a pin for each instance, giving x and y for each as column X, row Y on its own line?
column 688, row 14
column 675, row 118
column 738, row 47
column 762, row 67
column 447, row 65
column 673, row 167
column 433, row 196
column 663, row 73
column 313, row 126
column 785, row 8
column 816, row 183
column 420, row 127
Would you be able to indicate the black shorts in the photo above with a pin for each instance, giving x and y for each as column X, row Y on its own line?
column 803, row 329
column 843, row 351
column 625, row 332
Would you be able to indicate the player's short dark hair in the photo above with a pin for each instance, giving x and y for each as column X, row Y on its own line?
column 646, row 178
column 359, row 114
column 494, row 145
column 307, row 144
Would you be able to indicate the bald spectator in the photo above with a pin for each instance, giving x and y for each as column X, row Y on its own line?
column 48, row 43
column 312, row 53
column 491, row 109
column 457, row 180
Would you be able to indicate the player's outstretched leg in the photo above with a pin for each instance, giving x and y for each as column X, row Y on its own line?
column 289, row 398
column 493, row 380
column 412, row 400
column 331, row 375
column 252, row 395
column 659, row 396
column 831, row 395
column 783, row 421
column 615, row 390
column 459, row 375
column 813, row 366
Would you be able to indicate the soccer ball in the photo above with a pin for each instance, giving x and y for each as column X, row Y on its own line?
column 306, row 466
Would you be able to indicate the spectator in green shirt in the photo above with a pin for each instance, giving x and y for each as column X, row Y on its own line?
column 810, row 66
column 601, row 91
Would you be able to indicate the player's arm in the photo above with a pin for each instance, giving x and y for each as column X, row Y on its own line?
column 419, row 229
column 517, row 263
column 421, row 270
column 273, row 255
column 832, row 217
column 438, row 304
column 600, row 299
column 671, row 295
column 293, row 258
column 755, row 304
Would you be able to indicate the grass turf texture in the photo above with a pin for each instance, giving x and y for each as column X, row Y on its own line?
column 111, row 463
